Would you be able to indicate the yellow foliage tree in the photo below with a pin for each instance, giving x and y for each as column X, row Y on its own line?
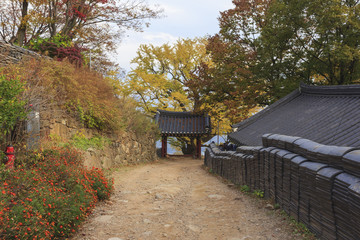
column 163, row 74
column 167, row 77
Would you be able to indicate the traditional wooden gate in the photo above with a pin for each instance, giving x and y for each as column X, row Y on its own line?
column 182, row 124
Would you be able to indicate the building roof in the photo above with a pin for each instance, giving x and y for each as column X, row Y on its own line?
column 182, row 123
column 325, row 114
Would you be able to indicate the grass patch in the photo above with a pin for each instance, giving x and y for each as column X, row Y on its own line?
column 80, row 141
column 245, row 188
column 258, row 193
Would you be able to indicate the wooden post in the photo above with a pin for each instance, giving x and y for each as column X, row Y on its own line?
column 198, row 147
column 164, row 146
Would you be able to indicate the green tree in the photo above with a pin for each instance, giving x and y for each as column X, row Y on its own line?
column 12, row 107
column 320, row 39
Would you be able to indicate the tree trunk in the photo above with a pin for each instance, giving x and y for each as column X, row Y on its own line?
column 21, row 34
column 197, row 103
column 189, row 147
column 71, row 22
column 52, row 14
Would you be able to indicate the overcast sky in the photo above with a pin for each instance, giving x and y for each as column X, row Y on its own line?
column 184, row 19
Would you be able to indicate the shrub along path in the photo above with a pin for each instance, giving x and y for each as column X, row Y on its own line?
column 178, row 199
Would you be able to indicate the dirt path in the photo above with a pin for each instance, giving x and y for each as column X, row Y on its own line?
column 177, row 199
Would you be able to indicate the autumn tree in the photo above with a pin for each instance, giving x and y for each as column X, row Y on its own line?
column 95, row 24
column 163, row 74
column 167, row 77
column 268, row 47
column 234, row 53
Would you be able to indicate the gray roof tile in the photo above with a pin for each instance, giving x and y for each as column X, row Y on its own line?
column 324, row 114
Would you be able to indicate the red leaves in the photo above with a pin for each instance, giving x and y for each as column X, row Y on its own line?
column 73, row 54
column 79, row 14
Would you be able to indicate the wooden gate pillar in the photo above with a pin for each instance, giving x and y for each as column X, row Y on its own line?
column 198, row 147
column 164, row 146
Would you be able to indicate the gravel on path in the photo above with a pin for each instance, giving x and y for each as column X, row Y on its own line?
column 178, row 199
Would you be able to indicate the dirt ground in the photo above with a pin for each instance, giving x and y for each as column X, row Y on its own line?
column 178, row 199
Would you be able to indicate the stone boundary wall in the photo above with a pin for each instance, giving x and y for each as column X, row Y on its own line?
column 318, row 185
column 125, row 148
column 13, row 54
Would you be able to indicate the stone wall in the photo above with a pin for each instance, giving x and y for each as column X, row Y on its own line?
column 125, row 148
column 318, row 185
column 13, row 54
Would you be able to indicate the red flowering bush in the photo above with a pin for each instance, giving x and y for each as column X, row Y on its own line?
column 48, row 195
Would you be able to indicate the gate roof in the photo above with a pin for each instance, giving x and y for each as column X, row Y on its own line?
column 182, row 123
